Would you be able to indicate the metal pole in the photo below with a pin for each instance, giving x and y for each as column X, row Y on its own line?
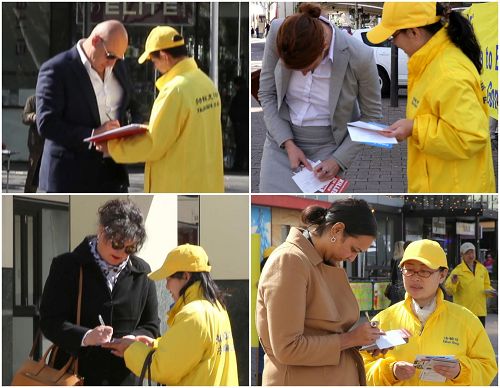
column 239, row 39
column 214, row 44
column 394, row 76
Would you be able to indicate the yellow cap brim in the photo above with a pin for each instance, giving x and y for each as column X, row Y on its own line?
column 144, row 57
column 159, row 274
column 421, row 260
column 379, row 33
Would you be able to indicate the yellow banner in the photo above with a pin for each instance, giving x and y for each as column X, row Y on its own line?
column 484, row 19
column 255, row 269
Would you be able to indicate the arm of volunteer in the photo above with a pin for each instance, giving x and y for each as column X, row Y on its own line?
column 449, row 286
column 379, row 369
column 286, row 280
column 462, row 128
column 178, row 351
column 278, row 128
column 478, row 365
column 163, row 130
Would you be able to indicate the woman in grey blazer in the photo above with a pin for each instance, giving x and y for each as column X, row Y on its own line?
column 314, row 80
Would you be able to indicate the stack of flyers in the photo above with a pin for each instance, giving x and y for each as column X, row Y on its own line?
column 427, row 363
column 390, row 339
column 368, row 133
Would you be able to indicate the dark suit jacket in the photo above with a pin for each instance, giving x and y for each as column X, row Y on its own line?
column 66, row 114
column 132, row 308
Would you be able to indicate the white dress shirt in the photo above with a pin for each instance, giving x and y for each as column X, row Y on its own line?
column 109, row 93
column 308, row 96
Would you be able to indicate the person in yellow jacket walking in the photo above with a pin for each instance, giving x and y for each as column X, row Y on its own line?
column 198, row 347
column 446, row 124
column 437, row 327
column 183, row 145
column 469, row 283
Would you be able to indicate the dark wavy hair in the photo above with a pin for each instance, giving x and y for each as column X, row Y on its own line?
column 355, row 214
column 301, row 37
column 122, row 220
column 460, row 32
column 210, row 290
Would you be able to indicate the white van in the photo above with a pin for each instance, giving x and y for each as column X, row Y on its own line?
column 382, row 53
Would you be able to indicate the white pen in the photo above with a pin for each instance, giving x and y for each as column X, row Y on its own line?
column 101, row 321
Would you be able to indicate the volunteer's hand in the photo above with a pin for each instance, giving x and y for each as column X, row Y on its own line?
column 327, row 170
column 296, row 156
column 145, row 340
column 119, row 346
column 403, row 370
column 377, row 352
column 99, row 335
column 454, row 279
column 401, row 129
column 450, row 372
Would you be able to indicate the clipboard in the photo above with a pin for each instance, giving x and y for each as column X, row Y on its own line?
column 125, row 131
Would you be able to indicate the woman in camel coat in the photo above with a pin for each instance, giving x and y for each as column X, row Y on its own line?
column 305, row 306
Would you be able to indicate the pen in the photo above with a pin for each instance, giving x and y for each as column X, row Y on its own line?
column 101, row 321
column 372, row 323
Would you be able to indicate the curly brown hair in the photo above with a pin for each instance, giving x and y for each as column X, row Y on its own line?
column 301, row 37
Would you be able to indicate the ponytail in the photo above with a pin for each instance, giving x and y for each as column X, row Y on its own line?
column 460, row 32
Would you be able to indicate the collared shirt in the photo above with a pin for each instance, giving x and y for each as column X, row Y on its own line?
column 110, row 272
column 423, row 313
column 108, row 93
column 308, row 96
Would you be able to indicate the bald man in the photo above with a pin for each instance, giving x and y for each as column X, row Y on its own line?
column 80, row 92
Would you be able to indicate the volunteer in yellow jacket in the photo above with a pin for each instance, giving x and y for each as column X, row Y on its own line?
column 183, row 146
column 469, row 283
column 449, row 146
column 438, row 328
column 198, row 348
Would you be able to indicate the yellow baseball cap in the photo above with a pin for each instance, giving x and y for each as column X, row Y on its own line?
column 161, row 37
column 397, row 16
column 184, row 258
column 427, row 252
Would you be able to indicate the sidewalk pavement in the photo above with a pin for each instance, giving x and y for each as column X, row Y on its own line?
column 234, row 182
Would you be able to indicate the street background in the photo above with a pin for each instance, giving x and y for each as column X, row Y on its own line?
column 375, row 170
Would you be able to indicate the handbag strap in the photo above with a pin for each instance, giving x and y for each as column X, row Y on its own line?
column 146, row 366
column 78, row 313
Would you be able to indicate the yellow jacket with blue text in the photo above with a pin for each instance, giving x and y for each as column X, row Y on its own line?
column 450, row 330
column 183, row 146
column 469, row 291
column 197, row 349
column 450, row 148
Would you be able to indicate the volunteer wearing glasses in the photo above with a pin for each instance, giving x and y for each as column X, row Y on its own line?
column 115, row 288
column 446, row 124
column 83, row 91
column 438, row 328
column 197, row 348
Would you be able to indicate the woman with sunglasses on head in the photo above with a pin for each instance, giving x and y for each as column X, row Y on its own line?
column 116, row 290
column 306, row 309
column 437, row 327
column 314, row 80
column 446, row 124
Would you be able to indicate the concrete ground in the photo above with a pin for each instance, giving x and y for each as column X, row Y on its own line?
column 233, row 182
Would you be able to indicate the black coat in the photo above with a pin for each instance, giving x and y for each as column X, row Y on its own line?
column 132, row 308
column 66, row 113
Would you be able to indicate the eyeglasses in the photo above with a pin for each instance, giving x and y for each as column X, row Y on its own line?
column 393, row 36
column 421, row 274
column 110, row 56
column 119, row 245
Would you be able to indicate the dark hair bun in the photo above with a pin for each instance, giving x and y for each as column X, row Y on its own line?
column 312, row 9
column 313, row 215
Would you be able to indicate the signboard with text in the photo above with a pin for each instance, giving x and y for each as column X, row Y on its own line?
column 143, row 13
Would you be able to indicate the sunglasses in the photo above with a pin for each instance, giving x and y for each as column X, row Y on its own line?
column 111, row 56
column 119, row 245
